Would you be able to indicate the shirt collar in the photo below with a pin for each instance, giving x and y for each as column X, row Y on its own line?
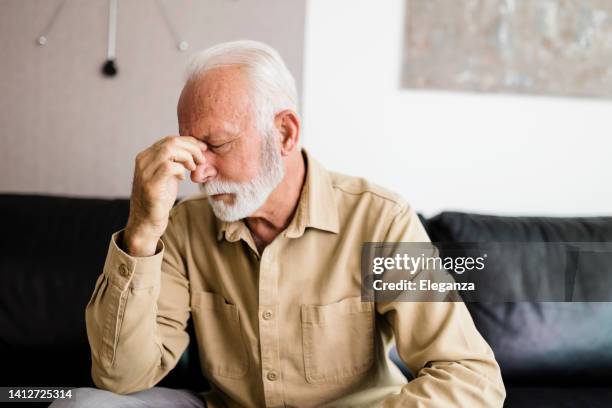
column 316, row 207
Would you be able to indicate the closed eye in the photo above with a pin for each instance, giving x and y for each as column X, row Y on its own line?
column 220, row 147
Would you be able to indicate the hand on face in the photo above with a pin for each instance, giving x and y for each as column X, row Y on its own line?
column 157, row 172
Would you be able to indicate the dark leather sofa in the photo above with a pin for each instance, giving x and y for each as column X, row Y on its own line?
column 53, row 248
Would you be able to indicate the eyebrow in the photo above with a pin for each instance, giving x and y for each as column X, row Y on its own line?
column 204, row 137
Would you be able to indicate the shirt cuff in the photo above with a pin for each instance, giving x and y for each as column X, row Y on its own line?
column 124, row 270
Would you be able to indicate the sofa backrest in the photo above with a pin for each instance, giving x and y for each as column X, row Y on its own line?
column 51, row 253
column 540, row 342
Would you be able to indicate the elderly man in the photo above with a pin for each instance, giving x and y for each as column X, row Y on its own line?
column 266, row 261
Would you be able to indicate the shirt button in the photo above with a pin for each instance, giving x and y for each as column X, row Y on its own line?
column 272, row 375
column 267, row 315
column 123, row 270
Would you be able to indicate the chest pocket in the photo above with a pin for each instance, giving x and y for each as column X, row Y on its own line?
column 218, row 329
column 337, row 339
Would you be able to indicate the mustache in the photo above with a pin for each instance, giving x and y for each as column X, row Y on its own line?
column 213, row 187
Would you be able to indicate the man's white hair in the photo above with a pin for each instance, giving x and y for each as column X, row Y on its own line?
column 273, row 86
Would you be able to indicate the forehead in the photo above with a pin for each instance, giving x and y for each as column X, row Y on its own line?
column 219, row 97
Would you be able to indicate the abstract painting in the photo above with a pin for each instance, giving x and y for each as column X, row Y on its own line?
column 546, row 47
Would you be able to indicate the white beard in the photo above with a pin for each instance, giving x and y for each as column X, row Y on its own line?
column 249, row 196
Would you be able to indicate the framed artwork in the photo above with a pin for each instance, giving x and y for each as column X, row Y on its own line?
column 546, row 47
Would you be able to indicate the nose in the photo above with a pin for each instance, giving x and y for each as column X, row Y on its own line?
column 203, row 172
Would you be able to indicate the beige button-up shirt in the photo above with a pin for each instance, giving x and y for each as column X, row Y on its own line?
column 286, row 327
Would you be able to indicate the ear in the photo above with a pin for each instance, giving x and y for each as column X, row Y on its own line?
column 288, row 125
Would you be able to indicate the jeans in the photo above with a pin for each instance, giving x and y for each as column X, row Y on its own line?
column 155, row 397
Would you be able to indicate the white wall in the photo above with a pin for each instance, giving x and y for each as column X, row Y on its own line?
column 486, row 153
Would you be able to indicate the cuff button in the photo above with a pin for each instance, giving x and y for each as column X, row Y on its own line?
column 123, row 270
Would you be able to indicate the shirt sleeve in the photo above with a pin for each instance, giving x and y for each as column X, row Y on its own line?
column 438, row 341
column 136, row 330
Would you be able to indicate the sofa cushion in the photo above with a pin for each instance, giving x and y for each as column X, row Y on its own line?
column 558, row 397
column 540, row 342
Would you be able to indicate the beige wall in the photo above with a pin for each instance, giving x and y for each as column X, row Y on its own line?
column 66, row 129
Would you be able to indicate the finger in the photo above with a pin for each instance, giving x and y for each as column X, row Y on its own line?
column 195, row 146
column 169, row 169
column 149, row 157
column 171, row 153
column 164, row 149
column 190, row 143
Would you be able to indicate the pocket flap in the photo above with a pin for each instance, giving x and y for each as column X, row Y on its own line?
column 214, row 301
column 320, row 314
